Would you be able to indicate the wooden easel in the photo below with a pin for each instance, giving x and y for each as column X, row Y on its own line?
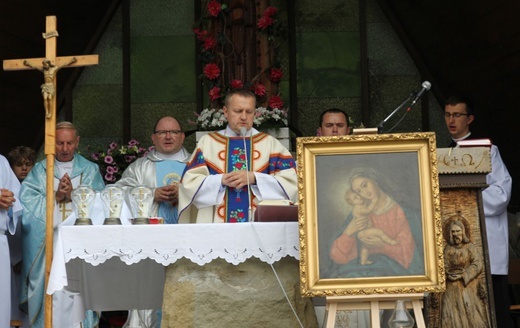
column 50, row 94
column 374, row 303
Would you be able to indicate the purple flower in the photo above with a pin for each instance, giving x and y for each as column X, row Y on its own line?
column 109, row 177
column 151, row 148
column 116, row 158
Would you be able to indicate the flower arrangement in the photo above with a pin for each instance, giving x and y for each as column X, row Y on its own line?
column 210, row 119
column 115, row 159
column 265, row 118
column 220, row 56
column 270, row 118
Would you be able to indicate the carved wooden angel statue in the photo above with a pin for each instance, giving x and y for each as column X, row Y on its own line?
column 48, row 88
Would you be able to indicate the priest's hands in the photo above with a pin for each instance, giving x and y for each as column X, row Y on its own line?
column 6, row 198
column 64, row 189
column 168, row 194
column 238, row 179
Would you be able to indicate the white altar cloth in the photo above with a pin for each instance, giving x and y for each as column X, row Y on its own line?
column 144, row 250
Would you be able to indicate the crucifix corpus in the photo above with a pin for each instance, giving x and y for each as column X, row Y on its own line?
column 49, row 66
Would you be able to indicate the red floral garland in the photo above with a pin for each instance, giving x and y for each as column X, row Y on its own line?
column 268, row 23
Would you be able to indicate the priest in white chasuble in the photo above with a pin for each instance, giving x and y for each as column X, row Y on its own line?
column 233, row 169
column 161, row 169
column 70, row 171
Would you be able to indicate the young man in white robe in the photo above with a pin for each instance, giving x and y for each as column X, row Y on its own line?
column 233, row 169
column 459, row 114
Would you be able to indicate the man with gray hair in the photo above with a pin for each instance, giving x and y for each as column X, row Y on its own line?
column 70, row 171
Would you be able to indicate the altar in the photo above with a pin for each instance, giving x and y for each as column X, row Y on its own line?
column 122, row 267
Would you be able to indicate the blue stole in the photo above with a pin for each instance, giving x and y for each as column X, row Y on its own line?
column 168, row 172
column 237, row 205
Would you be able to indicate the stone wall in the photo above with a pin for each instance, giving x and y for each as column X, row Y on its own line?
column 220, row 294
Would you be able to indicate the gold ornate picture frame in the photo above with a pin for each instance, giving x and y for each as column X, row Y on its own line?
column 369, row 215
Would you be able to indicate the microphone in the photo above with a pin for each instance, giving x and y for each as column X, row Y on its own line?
column 425, row 87
column 243, row 133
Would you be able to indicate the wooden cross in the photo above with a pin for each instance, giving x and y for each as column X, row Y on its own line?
column 49, row 66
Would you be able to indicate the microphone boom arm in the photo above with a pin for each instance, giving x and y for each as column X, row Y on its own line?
column 380, row 125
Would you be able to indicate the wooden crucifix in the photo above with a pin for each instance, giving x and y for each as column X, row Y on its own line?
column 49, row 66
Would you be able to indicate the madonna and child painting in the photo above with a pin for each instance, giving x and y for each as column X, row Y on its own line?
column 369, row 216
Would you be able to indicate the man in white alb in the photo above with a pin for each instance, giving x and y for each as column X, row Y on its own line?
column 10, row 208
column 161, row 169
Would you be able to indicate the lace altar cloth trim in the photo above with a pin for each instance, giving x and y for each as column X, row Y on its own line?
column 165, row 244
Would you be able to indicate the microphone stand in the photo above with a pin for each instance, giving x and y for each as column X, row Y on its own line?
column 380, row 125
column 250, row 209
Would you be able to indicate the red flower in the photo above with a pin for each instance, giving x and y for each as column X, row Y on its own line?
column 214, row 93
column 214, row 8
column 209, row 43
column 201, row 34
column 270, row 11
column 239, row 165
column 276, row 74
column 241, row 215
column 264, row 22
column 211, row 71
column 259, row 89
column 276, row 102
column 237, row 84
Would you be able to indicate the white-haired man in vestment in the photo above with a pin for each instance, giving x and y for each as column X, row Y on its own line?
column 70, row 171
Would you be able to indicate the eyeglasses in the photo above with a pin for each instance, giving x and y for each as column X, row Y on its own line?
column 163, row 133
column 454, row 115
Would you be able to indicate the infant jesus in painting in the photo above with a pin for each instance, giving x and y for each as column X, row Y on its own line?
column 361, row 211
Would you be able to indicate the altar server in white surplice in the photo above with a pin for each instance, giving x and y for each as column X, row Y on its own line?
column 225, row 163
column 161, row 169
column 70, row 171
column 10, row 209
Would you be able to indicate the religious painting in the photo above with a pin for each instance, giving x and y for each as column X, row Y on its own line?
column 369, row 215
